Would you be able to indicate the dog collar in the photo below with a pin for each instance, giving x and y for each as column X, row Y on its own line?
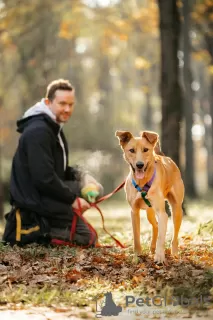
column 145, row 188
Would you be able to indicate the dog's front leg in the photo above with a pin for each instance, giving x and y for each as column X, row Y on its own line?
column 162, row 227
column 152, row 219
column 135, row 213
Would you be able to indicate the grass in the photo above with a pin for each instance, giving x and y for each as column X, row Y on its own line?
column 65, row 277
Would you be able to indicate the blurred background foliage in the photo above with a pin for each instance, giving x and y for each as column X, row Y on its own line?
column 135, row 64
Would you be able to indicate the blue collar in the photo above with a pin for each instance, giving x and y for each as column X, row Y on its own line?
column 147, row 186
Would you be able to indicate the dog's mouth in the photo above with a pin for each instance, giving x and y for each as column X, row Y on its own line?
column 139, row 173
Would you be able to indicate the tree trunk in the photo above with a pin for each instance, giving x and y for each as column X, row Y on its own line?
column 1, row 143
column 189, row 180
column 209, row 42
column 209, row 45
column 1, row 188
column 170, row 88
column 148, row 111
column 106, row 103
column 205, row 111
column 211, row 113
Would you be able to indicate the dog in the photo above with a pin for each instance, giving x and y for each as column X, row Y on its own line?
column 153, row 178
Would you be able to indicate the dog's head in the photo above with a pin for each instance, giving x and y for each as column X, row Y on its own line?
column 138, row 151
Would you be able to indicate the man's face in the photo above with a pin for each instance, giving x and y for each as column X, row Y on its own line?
column 62, row 105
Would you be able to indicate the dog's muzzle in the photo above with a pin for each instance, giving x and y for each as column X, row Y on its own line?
column 140, row 166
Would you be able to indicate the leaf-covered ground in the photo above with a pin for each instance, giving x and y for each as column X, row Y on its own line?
column 64, row 283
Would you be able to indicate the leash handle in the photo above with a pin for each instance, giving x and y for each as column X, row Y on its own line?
column 78, row 213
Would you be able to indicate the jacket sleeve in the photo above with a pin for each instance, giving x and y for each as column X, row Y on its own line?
column 73, row 174
column 38, row 144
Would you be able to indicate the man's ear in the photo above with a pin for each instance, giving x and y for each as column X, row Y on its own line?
column 47, row 101
column 150, row 136
column 124, row 137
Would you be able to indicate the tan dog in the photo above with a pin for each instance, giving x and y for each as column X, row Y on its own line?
column 146, row 166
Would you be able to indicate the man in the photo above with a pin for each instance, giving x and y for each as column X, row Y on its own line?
column 43, row 188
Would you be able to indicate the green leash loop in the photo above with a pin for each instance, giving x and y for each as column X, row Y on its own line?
column 143, row 195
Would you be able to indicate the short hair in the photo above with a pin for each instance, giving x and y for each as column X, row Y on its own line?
column 59, row 84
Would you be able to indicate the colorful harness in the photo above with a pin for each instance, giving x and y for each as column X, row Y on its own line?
column 145, row 188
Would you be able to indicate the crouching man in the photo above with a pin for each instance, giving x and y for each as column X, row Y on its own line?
column 44, row 190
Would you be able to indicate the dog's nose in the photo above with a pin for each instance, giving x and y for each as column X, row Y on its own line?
column 139, row 164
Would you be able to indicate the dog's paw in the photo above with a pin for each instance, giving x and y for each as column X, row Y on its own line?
column 137, row 250
column 152, row 248
column 135, row 259
column 159, row 256
column 174, row 249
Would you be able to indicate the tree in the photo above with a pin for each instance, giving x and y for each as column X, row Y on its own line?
column 188, row 104
column 1, row 182
column 170, row 87
column 203, row 21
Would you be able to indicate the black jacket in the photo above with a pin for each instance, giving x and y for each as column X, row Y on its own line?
column 38, row 178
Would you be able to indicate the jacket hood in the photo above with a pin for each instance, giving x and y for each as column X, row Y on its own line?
column 38, row 111
column 39, row 108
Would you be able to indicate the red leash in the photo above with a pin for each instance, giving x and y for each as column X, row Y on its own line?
column 78, row 213
column 107, row 196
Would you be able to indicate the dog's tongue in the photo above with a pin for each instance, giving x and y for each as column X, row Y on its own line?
column 139, row 174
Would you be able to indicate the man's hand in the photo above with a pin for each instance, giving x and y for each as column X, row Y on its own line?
column 83, row 203
column 88, row 179
column 90, row 192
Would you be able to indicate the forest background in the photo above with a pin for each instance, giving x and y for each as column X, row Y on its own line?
column 135, row 64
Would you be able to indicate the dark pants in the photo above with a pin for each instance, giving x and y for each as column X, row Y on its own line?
column 82, row 235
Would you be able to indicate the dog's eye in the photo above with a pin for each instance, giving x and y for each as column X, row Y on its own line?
column 132, row 150
column 145, row 150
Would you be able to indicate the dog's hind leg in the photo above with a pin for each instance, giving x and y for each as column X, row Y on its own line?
column 177, row 215
column 175, row 198
column 152, row 219
column 135, row 214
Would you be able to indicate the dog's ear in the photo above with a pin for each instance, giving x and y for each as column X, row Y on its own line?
column 158, row 149
column 124, row 137
column 151, row 136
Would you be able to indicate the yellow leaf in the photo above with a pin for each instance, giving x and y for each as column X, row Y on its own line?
column 120, row 23
column 209, row 3
column 123, row 37
column 145, row 89
column 179, row 4
column 197, row 56
column 201, row 8
column 141, row 63
column 210, row 68
column 195, row 16
column 5, row 38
